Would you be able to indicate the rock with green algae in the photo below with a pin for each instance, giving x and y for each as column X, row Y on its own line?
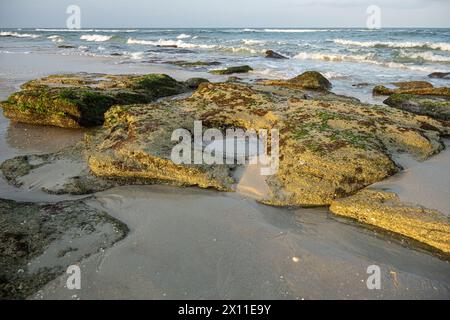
column 413, row 88
column 39, row 241
column 232, row 70
column 330, row 146
column 80, row 100
column 194, row 64
column 194, row 83
column 436, row 107
column 328, row 149
column 385, row 210
column 311, row 80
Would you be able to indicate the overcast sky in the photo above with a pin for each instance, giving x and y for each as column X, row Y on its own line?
column 224, row 13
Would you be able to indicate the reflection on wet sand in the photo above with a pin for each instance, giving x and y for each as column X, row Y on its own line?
column 197, row 244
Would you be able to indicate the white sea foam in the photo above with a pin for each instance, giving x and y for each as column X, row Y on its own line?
column 56, row 38
column 426, row 56
column 391, row 44
column 183, row 36
column 368, row 58
column 137, row 55
column 64, row 30
column 162, row 42
column 252, row 42
column 18, row 35
column 95, row 37
column 332, row 57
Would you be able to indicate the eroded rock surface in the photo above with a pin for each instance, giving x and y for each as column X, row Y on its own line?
column 328, row 149
column 80, row 100
column 312, row 80
column 330, row 146
column 385, row 210
column 38, row 242
column 437, row 107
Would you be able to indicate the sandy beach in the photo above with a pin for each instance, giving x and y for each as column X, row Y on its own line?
column 189, row 243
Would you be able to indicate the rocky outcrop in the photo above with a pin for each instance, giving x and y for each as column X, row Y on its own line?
column 330, row 146
column 436, row 107
column 38, row 242
column 80, row 100
column 385, row 210
column 311, row 80
column 270, row 54
column 412, row 88
column 328, row 149
column 193, row 83
column 232, row 70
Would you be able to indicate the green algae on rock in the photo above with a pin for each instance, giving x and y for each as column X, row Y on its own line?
column 311, row 80
column 232, row 70
column 385, row 210
column 80, row 100
column 328, row 149
column 39, row 241
column 381, row 90
column 330, row 146
column 436, row 107
column 135, row 144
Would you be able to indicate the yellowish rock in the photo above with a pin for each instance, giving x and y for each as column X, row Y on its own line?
column 385, row 210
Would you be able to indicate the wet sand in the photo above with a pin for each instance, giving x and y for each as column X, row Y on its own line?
column 199, row 244
column 194, row 244
column 426, row 183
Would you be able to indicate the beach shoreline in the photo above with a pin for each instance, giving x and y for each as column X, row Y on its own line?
column 179, row 236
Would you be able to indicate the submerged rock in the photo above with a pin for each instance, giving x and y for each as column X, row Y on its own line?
column 231, row 70
column 439, row 75
column 385, row 210
column 413, row 84
column 38, row 242
column 311, row 80
column 191, row 64
column 436, row 107
column 274, row 55
column 80, row 100
column 65, row 46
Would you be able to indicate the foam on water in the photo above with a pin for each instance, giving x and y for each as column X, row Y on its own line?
column 347, row 56
column 95, row 37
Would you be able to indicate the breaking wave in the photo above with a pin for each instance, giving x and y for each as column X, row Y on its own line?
column 95, row 37
column 368, row 58
column 183, row 36
column 177, row 43
column 390, row 44
column 18, row 35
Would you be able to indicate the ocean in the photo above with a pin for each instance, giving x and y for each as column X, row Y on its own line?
column 346, row 56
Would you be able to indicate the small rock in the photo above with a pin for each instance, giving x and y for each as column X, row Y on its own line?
column 274, row 55
column 440, row 75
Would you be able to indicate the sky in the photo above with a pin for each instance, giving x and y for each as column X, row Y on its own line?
column 223, row 13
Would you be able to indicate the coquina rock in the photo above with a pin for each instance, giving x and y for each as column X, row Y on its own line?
column 80, row 100
column 437, row 107
column 330, row 146
column 312, row 80
column 328, row 149
column 385, row 210
column 414, row 88
column 39, row 241
column 232, row 70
